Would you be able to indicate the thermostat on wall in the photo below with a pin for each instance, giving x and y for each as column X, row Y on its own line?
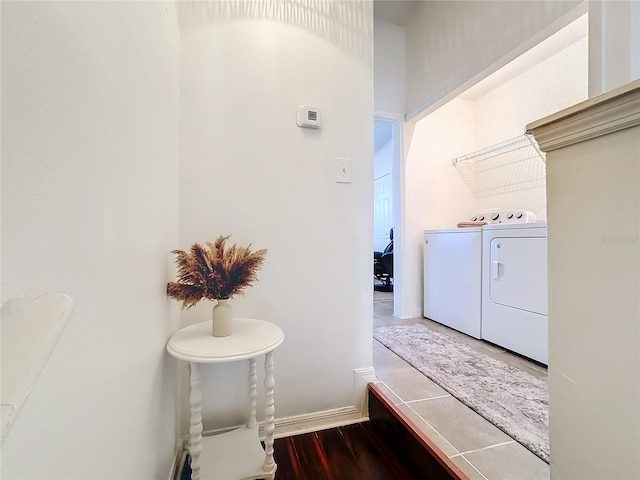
column 309, row 117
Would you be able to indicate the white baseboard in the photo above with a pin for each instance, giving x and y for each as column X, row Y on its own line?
column 178, row 461
column 361, row 377
column 411, row 313
column 305, row 423
column 312, row 422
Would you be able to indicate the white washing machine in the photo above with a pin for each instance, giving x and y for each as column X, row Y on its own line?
column 453, row 271
column 452, row 278
column 514, row 288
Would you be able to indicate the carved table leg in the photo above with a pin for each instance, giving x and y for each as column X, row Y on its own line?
column 253, row 392
column 269, row 427
column 195, row 428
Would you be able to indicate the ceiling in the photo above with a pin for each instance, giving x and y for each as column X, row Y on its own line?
column 557, row 42
column 398, row 12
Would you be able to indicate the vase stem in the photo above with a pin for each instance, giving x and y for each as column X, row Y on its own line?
column 222, row 319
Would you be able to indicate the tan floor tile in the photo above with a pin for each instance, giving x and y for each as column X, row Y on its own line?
column 460, row 425
column 524, row 364
column 385, row 320
column 385, row 362
column 389, row 393
column 508, row 462
column 468, row 469
column 447, row 449
column 409, row 384
column 382, row 296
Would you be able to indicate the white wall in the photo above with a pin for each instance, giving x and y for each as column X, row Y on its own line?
column 249, row 171
column 451, row 45
column 614, row 46
column 389, row 67
column 547, row 87
column 389, row 100
column 89, row 208
column 594, row 307
column 435, row 195
column 501, row 114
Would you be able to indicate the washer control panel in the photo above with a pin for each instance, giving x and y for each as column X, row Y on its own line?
column 505, row 216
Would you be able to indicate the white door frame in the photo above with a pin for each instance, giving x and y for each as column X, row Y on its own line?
column 397, row 172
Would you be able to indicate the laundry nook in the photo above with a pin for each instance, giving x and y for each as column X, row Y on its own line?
column 483, row 213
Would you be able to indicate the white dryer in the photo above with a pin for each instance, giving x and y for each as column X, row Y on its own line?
column 514, row 288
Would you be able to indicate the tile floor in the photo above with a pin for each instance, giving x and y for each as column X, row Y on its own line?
column 477, row 447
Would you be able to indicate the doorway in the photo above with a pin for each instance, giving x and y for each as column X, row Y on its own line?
column 387, row 222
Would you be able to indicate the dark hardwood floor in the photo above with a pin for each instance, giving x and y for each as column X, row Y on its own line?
column 351, row 452
column 387, row 447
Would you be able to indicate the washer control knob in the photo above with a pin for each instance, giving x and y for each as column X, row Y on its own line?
column 510, row 216
column 495, row 217
column 481, row 218
column 519, row 215
column 474, row 219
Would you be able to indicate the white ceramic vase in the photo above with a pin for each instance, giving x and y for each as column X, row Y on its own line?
column 222, row 319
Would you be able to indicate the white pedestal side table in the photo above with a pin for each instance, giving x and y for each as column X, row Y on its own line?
column 236, row 454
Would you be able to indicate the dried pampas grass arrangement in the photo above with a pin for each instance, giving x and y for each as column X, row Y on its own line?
column 214, row 272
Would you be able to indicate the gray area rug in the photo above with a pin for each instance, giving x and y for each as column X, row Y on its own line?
column 514, row 401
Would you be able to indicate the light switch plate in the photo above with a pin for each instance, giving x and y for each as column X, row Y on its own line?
column 343, row 170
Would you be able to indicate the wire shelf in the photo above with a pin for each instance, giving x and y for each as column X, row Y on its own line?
column 513, row 165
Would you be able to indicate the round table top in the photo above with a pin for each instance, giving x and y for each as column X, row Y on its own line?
column 250, row 338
